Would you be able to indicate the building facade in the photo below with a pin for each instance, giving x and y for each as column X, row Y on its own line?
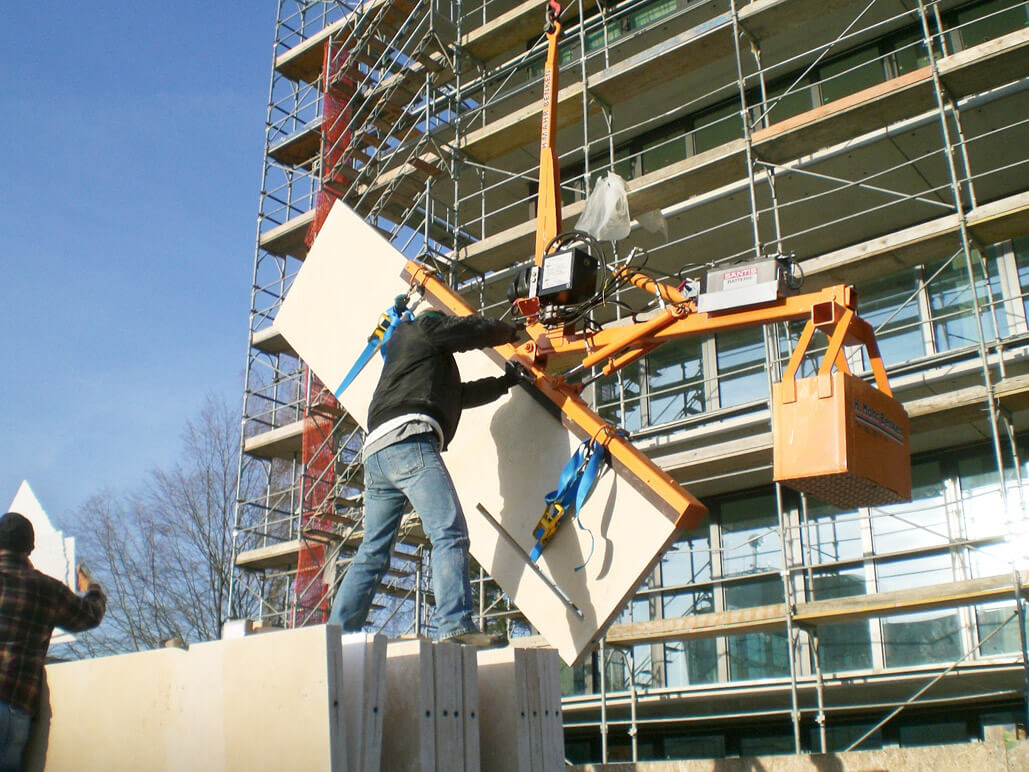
column 882, row 145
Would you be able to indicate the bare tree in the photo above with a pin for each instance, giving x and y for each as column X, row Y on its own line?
column 164, row 552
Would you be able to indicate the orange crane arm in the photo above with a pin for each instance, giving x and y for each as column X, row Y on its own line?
column 548, row 203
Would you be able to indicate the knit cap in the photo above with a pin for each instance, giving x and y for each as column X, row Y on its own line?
column 16, row 533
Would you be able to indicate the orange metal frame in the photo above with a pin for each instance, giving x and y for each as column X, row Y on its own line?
column 663, row 491
column 548, row 201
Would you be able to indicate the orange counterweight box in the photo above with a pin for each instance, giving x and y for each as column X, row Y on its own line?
column 835, row 436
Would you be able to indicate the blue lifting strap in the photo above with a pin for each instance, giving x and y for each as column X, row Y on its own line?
column 573, row 488
column 388, row 323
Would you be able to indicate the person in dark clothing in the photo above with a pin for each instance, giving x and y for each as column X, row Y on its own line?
column 31, row 605
column 413, row 416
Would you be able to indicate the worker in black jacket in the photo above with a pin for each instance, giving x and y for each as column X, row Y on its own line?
column 413, row 416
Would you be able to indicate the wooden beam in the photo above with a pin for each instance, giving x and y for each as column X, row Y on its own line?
column 288, row 238
column 736, row 622
column 281, row 442
column 773, row 617
column 280, row 556
column 883, row 604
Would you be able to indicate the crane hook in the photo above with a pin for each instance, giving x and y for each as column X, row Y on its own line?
column 553, row 13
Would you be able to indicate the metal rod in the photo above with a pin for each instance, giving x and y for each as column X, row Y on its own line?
column 966, row 246
column 1020, row 607
column 550, row 583
column 603, row 701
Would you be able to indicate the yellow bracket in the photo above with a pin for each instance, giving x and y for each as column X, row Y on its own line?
column 549, row 521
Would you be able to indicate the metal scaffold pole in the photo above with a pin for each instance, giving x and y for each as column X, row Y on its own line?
column 966, row 245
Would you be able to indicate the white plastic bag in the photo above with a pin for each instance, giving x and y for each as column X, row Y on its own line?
column 606, row 216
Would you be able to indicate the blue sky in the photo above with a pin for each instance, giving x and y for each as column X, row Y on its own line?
column 132, row 136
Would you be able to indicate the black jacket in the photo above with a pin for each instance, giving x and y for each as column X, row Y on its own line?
column 420, row 373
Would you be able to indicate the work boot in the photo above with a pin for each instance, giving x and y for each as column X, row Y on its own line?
column 479, row 640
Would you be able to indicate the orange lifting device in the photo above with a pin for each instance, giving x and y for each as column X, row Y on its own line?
column 835, row 436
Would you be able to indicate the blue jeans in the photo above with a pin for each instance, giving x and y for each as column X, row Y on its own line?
column 14, row 734
column 411, row 470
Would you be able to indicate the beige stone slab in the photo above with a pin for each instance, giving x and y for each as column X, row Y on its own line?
column 238, row 704
column 410, row 707
column 551, row 727
column 470, row 709
column 530, row 688
column 506, row 457
column 363, row 687
column 520, row 703
column 504, row 726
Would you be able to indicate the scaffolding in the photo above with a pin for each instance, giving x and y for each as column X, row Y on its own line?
column 862, row 139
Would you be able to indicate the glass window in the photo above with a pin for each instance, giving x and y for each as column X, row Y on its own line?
column 1001, row 557
column 750, row 536
column 691, row 662
column 844, row 646
column 595, row 38
column 651, row 12
column 890, row 305
column 910, row 53
column 838, row 583
column 1020, row 246
column 616, row 670
column 799, row 100
column 831, row 534
column 741, row 367
column 574, row 680
column 753, row 593
column 922, row 522
column 675, row 380
column 914, row 572
column 981, row 501
column 684, row 604
column 922, row 638
column 618, row 398
column 758, row 655
column 625, row 164
column 990, row 20
column 643, row 666
column 689, row 561
column 663, row 152
column 850, row 74
column 717, row 127
column 952, row 305
column 1000, row 620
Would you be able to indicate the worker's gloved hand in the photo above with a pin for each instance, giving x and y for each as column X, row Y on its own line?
column 515, row 373
column 514, row 332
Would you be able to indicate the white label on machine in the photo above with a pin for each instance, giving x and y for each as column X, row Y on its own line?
column 739, row 277
column 557, row 270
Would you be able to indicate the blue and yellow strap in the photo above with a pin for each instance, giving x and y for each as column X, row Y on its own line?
column 573, row 488
column 388, row 323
